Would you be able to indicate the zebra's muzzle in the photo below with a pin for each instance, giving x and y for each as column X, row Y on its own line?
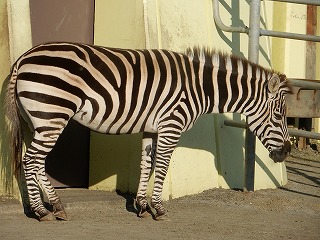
column 280, row 155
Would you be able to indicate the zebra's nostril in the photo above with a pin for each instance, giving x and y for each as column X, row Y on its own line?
column 287, row 147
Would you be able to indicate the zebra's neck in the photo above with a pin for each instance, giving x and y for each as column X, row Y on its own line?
column 229, row 84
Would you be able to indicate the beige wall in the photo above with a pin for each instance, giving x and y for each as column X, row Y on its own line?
column 15, row 38
column 6, row 181
column 115, row 160
column 209, row 155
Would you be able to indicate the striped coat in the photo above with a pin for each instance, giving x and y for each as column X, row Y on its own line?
column 121, row 91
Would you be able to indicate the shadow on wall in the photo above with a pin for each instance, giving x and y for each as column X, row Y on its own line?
column 230, row 144
column 67, row 165
column 121, row 155
column 115, row 159
column 235, row 42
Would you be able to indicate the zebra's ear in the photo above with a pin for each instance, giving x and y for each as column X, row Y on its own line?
column 274, row 83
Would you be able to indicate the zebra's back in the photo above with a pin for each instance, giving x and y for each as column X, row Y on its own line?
column 108, row 90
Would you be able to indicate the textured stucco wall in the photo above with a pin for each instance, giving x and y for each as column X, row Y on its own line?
column 15, row 38
column 209, row 155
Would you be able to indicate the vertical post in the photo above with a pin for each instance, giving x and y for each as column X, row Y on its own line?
column 310, row 55
column 254, row 34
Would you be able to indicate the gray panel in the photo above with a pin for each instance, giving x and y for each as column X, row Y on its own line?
column 58, row 20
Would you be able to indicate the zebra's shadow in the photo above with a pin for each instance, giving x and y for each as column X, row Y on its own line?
column 131, row 205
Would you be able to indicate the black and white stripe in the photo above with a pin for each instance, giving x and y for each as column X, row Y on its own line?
column 121, row 91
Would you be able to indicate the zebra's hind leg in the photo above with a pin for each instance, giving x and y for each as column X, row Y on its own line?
column 146, row 166
column 33, row 163
column 58, row 209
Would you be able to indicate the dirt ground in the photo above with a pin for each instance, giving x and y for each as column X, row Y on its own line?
column 292, row 212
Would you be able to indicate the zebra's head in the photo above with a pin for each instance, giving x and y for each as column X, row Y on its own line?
column 269, row 123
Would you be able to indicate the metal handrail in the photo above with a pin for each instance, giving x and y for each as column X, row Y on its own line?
column 264, row 32
column 221, row 25
column 305, row 83
column 308, row 2
column 292, row 132
column 254, row 32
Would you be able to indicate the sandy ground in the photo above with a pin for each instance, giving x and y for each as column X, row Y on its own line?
column 292, row 212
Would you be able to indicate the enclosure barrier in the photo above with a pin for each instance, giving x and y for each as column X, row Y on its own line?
column 254, row 32
column 264, row 32
column 303, row 84
column 292, row 132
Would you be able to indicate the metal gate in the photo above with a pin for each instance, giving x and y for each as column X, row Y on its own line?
column 254, row 32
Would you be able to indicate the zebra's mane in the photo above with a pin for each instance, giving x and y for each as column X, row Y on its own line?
column 201, row 54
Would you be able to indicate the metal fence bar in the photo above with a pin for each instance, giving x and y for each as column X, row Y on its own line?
column 254, row 31
column 253, row 56
column 292, row 132
column 295, row 36
column 305, row 134
column 221, row 25
column 308, row 2
column 263, row 32
column 305, row 84
column 232, row 123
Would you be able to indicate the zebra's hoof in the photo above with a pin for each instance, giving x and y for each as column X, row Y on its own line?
column 143, row 214
column 48, row 217
column 61, row 215
column 162, row 217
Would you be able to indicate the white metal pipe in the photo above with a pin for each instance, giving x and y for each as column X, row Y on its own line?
column 264, row 32
column 308, row 2
column 254, row 31
column 221, row 25
column 303, row 83
column 292, row 132
column 253, row 56
column 295, row 36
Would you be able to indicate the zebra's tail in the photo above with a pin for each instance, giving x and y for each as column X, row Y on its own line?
column 13, row 122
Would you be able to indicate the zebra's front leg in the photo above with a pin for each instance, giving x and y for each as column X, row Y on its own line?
column 58, row 209
column 146, row 166
column 167, row 141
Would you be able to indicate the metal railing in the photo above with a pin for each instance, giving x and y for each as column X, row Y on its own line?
column 304, row 83
column 254, row 31
column 264, row 32
column 292, row 132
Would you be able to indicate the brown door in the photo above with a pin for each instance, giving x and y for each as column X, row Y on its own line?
column 67, row 165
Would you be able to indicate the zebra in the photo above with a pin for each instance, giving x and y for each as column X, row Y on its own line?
column 160, row 93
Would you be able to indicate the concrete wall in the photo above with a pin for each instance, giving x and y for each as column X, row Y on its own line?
column 209, row 155
column 6, row 181
column 15, row 38
column 115, row 160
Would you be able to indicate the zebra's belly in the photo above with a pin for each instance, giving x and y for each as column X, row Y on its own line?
column 127, row 124
column 115, row 128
